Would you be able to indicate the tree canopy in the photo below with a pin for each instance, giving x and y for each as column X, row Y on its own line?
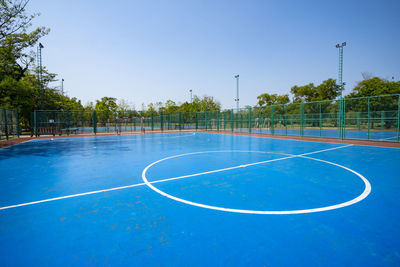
column 267, row 99
column 327, row 90
column 375, row 86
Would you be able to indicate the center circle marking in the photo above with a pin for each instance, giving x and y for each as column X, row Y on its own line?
column 364, row 194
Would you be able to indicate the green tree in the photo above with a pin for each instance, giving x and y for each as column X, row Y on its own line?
column 106, row 104
column 382, row 102
column 267, row 99
column 375, row 86
column 18, row 85
column 170, row 107
column 327, row 90
column 16, row 41
column 106, row 108
column 208, row 103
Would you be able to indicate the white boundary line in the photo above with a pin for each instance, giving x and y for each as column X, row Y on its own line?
column 388, row 138
column 173, row 178
column 69, row 196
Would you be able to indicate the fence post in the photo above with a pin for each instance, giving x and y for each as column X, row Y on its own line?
column 272, row 121
column 152, row 121
column 5, row 122
column 320, row 119
column 285, row 116
column 358, row 121
column 162, row 121
column 218, row 120
column 368, row 118
column 240, row 117
column 249, row 119
column 301, row 119
column 232, row 121
column 17, row 121
column 340, row 118
column 344, row 119
column 35, row 131
column 237, row 119
column 382, row 119
column 94, row 122
column 398, row 119
column 205, row 120
column 224, row 121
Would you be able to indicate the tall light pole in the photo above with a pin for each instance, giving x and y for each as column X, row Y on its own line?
column 341, row 88
column 237, row 92
column 62, row 86
column 191, row 98
column 40, row 75
column 62, row 91
column 340, row 75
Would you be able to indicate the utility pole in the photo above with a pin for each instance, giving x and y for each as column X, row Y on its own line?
column 341, row 88
column 62, row 92
column 40, row 76
column 237, row 92
column 191, row 96
column 340, row 75
column 62, row 86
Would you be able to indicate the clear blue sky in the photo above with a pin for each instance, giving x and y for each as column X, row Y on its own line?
column 148, row 51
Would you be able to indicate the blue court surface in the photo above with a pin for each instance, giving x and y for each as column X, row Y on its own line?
column 198, row 199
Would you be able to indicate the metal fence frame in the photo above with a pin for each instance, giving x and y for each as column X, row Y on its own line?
column 9, row 124
column 365, row 118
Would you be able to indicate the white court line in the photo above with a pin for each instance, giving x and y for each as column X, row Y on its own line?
column 168, row 179
column 69, row 196
column 388, row 138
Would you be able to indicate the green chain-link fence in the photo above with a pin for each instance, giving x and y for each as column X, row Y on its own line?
column 9, row 124
column 367, row 118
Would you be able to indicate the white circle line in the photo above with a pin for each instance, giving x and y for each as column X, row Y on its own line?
column 365, row 193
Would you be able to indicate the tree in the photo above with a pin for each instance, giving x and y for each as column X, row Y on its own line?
column 124, row 105
column 385, row 105
column 18, row 85
column 267, row 99
column 170, row 107
column 375, row 86
column 15, row 39
column 208, row 104
column 327, row 90
column 107, row 104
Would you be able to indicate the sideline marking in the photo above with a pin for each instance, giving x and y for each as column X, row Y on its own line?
column 365, row 193
column 169, row 179
column 388, row 138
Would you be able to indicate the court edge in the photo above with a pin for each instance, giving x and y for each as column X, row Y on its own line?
column 386, row 144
